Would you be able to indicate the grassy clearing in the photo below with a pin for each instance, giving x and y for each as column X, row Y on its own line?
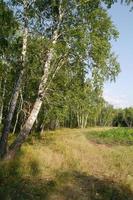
column 67, row 165
column 122, row 136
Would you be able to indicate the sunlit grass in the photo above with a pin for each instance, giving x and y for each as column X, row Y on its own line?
column 66, row 164
column 123, row 136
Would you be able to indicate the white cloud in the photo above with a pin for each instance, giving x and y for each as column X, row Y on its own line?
column 117, row 101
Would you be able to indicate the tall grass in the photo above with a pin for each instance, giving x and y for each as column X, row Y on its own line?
column 66, row 164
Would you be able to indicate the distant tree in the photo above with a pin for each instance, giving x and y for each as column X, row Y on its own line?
column 128, row 116
column 118, row 119
column 107, row 115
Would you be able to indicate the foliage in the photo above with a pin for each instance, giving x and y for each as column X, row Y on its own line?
column 68, row 57
column 84, row 46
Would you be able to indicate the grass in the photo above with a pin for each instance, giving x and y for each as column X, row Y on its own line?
column 71, row 165
column 122, row 136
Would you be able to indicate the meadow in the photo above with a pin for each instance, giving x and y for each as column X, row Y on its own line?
column 71, row 164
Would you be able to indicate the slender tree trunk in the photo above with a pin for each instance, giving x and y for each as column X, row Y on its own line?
column 1, row 103
column 25, row 130
column 78, row 119
column 2, row 100
column 42, row 129
column 85, row 120
column 127, row 123
column 18, row 113
column 12, row 106
column 41, row 94
column 1, row 112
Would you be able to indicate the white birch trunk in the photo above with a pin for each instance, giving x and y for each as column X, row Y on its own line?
column 41, row 93
column 13, row 102
column 2, row 100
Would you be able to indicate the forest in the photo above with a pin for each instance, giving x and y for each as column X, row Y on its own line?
column 55, row 57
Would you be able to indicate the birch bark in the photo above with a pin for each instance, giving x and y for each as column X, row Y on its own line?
column 17, row 87
column 41, row 94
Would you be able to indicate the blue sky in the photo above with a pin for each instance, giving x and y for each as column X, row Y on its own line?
column 120, row 93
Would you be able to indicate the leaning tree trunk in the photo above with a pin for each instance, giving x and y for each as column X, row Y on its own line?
column 24, row 133
column 34, row 113
column 25, row 130
column 17, row 87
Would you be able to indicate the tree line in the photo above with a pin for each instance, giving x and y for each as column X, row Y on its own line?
column 55, row 57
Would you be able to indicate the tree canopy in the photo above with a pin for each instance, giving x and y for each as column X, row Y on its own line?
column 55, row 57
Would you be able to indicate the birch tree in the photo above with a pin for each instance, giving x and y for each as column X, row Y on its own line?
column 69, row 23
column 41, row 91
column 6, row 33
column 15, row 94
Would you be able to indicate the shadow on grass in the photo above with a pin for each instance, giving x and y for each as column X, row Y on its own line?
column 70, row 185
column 14, row 185
column 25, row 188
column 112, row 137
column 84, row 187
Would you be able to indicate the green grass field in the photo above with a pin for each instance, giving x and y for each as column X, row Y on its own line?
column 72, row 164
column 116, row 136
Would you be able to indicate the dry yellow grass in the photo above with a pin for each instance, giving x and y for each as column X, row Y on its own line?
column 73, row 167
